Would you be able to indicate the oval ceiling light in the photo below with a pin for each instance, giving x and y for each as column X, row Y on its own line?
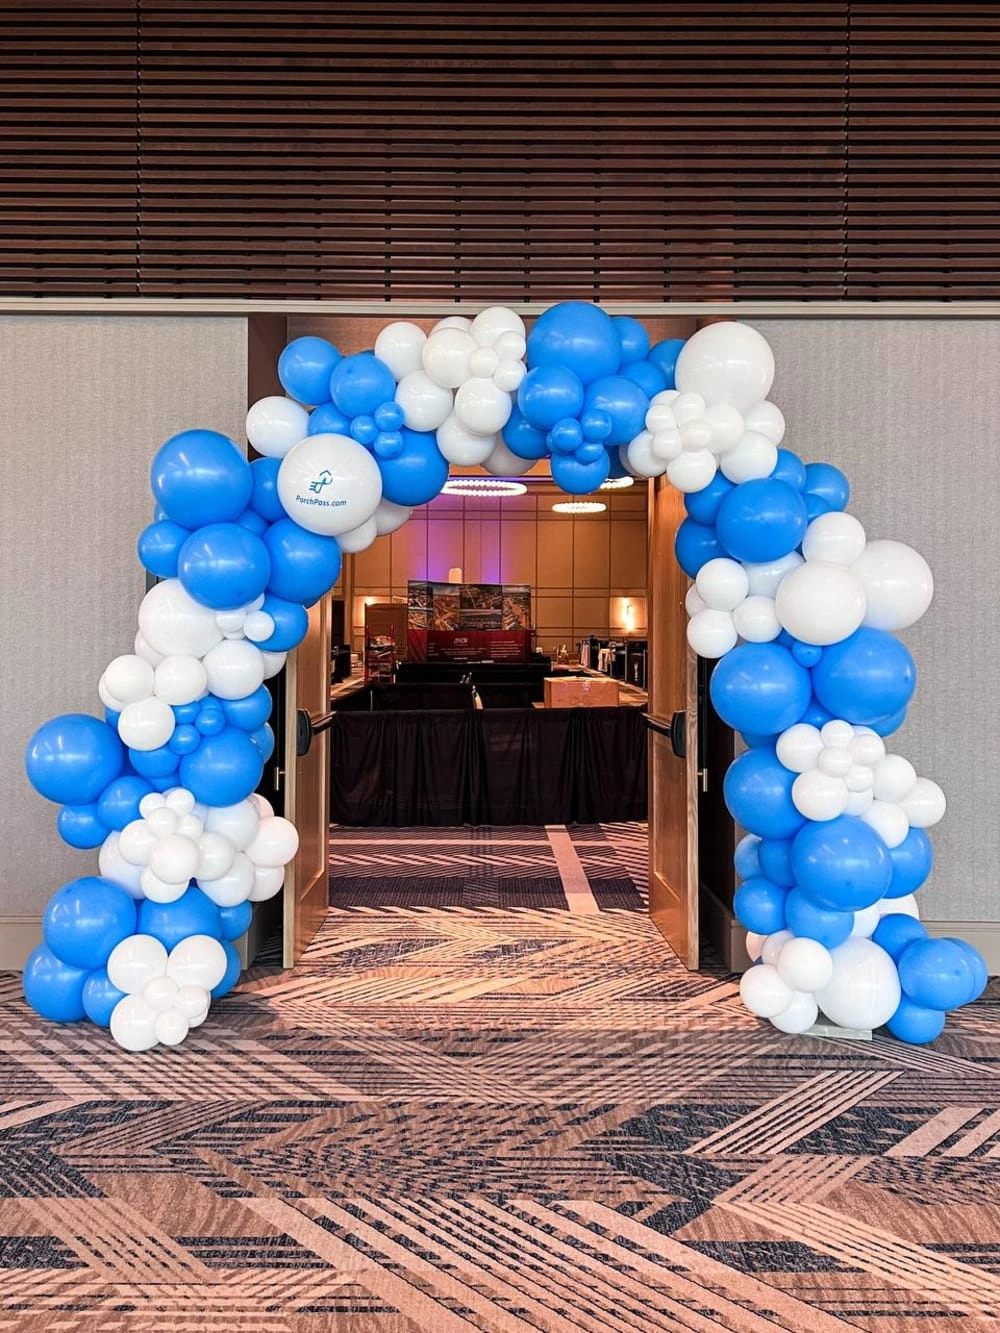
column 616, row 483
column 579, row 507
column 491, row 486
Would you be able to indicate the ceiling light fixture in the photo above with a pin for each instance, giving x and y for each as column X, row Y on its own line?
column 579, row 507
column 490, row 486
column 616, row 483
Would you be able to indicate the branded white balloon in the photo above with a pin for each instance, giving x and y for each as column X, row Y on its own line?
column 172, row 623
column 128, row 679
column 400, row 347
column 198, row 960
column 727, row 362
column 179, row 680
column 358, row 539
column 425, row 404
column 135, row 961
column 275, row 424
column 329, row 484
column 864, row 991
column 820, row 602
column 711, row 633
column 722, row 584
column 482, row 406
column 898, row 584
column 389, row 517
column 133, row 1024
column 463, row 447
column 234, row 669
column 756, row 620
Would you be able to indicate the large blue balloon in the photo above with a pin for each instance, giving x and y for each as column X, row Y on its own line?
column 805, row 917
column 578, row 478
column 694, row 545
column 548, row 394
column 305, row 367
column 250, row 712
column 522, row 438
column 576, row 335
column 915, row 1024
column 233, row 969
column 760, row 905
column 72, row 758
column 896, row 931
column 304, row 565
column 100, row 997
column 911, row 863
column 417, row 474
column 80, row 826
column 758, row 794
column 263, row 738
column 664, row 356
column 842, row 863
column 977, row 964
column 235, row 921
column 361, row 383
column 865, row 677
column 224, row 769
column 623, row 401
column 85, row 919
column 826, row 483
column 264, row 493
column 936, row 974
column 703, row 505
column 759, row 687
column 224, row 566
column 159, row 545
column 761, row 520
column 193, row 913
column 201, row 477
column 54, row 989
column 632, row 338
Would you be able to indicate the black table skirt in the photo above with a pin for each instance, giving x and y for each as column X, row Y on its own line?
column 498, row 766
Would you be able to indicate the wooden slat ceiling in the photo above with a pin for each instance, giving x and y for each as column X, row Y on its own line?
column 530, row 151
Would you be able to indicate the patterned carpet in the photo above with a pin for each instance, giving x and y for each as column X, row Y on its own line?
column 509, row 1117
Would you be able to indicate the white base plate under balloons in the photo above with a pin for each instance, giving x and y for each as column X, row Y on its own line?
column 824, row 1028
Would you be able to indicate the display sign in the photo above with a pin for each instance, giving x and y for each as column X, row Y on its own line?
column 469, row 622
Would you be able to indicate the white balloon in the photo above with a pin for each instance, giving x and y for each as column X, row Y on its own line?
column 639, row 457
column 146, row 651
column 503, row 463
column 867, row 747
column 711, row 633
column 233, row 885
column 400, row 347
column 805, row 965
column 858, row 801
column 329, row 484
column 837, row 734
column 231, row 622
column 160, row 993
column 799, row 747
column 835, row 762
column 692, row 471
column 509, row 374
column 238, row 823
column 687, row 407
column 107, row 698
column 276, row 842
column 766, row 419
column 837, row 538
column 135, row 961
column 135, row 842
column 755, row 456
column 275, row 424
column 445, row 356
column 864, row 991
column 763, row 992
column 495, row 321
column 800, row 1015
column 773, row 945
column 728, row 362
column 510, row 345
column 425, row 404
column 660, row 413
column 170, row 1028
column 146, row 724
column 894, row 778
column 179, row 680
column 215, row 856
column 261, row 804
column 112, row 865
column 234, row 669
column 756, row 620
column 482, row 406
column 133, row 1024
column 722, row 584
column 483, row 363
column 818, row 796
column 193, row 1003
column 453, row 322
column 128, row 679
column 755, row 943
column 159, row 890
column 904, row 906
column 273, row 662
column 727, row 427
column 463, row 447
column 358, row 539
column 189, row 826
column 866, row 920
column 859, row 779
column 198, row 960
column 925, row 805
column 267, row 881
column 820, row 602
column 766, row 579
column 388, row 517
column 161, row 819
column 693, row 601
column 666, row 444
column 898, row 584
column 174, row 858
column 171, row 622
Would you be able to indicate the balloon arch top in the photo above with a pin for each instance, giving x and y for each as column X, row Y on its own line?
column 798, row 607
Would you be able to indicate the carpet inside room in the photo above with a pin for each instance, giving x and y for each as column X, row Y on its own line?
column 496, row 1102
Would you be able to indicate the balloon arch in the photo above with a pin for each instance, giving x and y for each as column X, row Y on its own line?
column 798, row 607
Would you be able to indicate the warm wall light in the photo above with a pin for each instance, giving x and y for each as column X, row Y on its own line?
column 579, row 507
column 627, row 615
column 455, row 575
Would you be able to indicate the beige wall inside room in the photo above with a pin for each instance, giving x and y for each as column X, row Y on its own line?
column 86, row 403
column 909, row 410
column 575, row 564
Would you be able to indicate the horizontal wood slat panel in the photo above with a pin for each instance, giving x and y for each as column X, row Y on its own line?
column 835, row 149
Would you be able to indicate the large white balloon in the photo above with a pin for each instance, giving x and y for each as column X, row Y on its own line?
column 763, row 991
column 820, row 602
column 446, row 355
column 495, row 321
column 755, row 456
column 727, row 362
column 128, row 678
column 837, row 537
column 276, row 842
column 135, row 961
column 133, row 1024
column 179, row 680
column 722, row 584
column 329, row 484
column 233, row 885
column 864, row 991
column 898, row 584
column 425, row 404
column 238, row 823
column 275, row 424
column 400, row 347
column 171, row 622
column 482, row 406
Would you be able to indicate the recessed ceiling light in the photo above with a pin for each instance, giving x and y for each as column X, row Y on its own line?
column 491, row 486
column 579, row 507
column 616, row 483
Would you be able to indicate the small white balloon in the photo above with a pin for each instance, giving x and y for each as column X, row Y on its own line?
column 859, row 778
column 179, row 680
column 727, row 426
column 766, row 579
column 258, row 625
column 805, row 965
column 329, row 484
column 233, row 886
column 711, row 634
column 107, row 698
column 756, row 620
column 146, row 724
column 445, row 356
column 261, row 804
column 483, row 363
column 837, row 733
column 133, row 1024
column 722, row 584
column 112, row 865
column 799, row 747
column 135, row 961
column 160, row 993
column 425, row 404
column 215, row 856
column 273, row 662
column 189, row 826
column 234, row 669
column 763, row 992
column 866, row 921
column 481, row 406
column 904, row 906
column 453, row 322
column 867, row 747
column 818, row 796
column 146, row 652
column 509, row 375
column 351, row 543
column 687, row 407
column 799, row 1016
column 858, row 802
column 400, row 347
column 198, row 960
column 666, row 444
column 888, row 821
column 267, row 881
column 925, row 804
column 128, row 679
column 170, row 1028
column 238, row 823
column 192, row 1002
column 180, row 801
column 494, row 323
column 174, row 858
column 755, row 943
column 766, row 419
column 692, row 471
column 755, row 456
column 159, row 890
column 275, row 424
column 898, row 584
column 503, row 463
column 463, row 447
column 693, row 601
column 773, row 945
column 276, row 842
column 388, row 517
column 894, row 778
column 835, row 762
column 136, row 841
column 836, row 538
column 641, row 460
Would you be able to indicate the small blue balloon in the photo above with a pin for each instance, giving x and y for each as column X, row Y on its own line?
column 807, row 918
column 522, row 438
column 816, row 715
column 263, row 738
column 224, row 769
column 361, row 383
column 650, row 379
column 596, row 425
column 111, row 716
column 80, row 826
column 623, row 401
column 305, row 367
column 759, row 905
column 865, row 677
column 327, row 420
column 184, row 713
column 703, row 505
column 193, row 913
column 54, row 989
column 632, row 337
column 99, row 997
column 828, row 484
column 590, row 452
column 758, row 794
column 841, row 863
column 578, row 336
column 119, row 802
column 756, row 740
column 185, row 740
column 211, row 720
column 815, row 506
column 158, row 547
column 416, row 475
column 807, row 654
column 233, row 970
column 760, row 687
column 199, row 477
column 694, row 545
column 548, row 394
column 304, row 565
column 578, row 478
column 664, row 356
column 936, row 974
column 250, row 712
column 72, row 758
column 776, row 861
column 911, row 861
column 154, row 764
column 224, row 566
column 914, row 1024
column 264, row 489
column 790, row 469
column 895, row 932
column 885, row 726
column 389, row 444
column 746, row 858
column 761, row 520
column 235, row 921
column 566, row 436
column 389, row 416
column 364, row 430
column 85, row 919
column 253, row 522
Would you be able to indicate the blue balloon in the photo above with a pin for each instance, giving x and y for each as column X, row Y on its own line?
column 790, row 469
column 756, row 740
column 111, row 716
column 775, row 856
column 805, row 917
column 936, row 974
column 760, row 905
column 632, row 337
column 664, row 356
column 694, row 545
column 263, row 738
column 99, row 997
column 566, row 436
column 54, row 989
column 211, row 719
column 154, row 764
column 193, row 913
column 233, row 970
column 578, row 478
column 977, row 964
column 816, row 715
column 807, row 654
column 80, row 826
column 896, row 931
column 703, row 505
column 224, row 566
column 842, row 863
column 72, row 758
column 389, row 416
column 158, row 547
column 305, row 367
column 522, row 438
column 264, row 493
column 758, row 793
column 253, row 522
column 865, row 677
column 826, row 483
column 250, row 712
column 304, row 565
column 185, row 740
column 327, row 420
column 85, row 919
column 119, row 802
column 361, row 383
column 746, row 858
column 416, row 475
column 590, row 452
column 596, row 426
column 815, row 506
column 199, row 477
column 548, row 394
column 650, row 379
column 184, row 713
column 885, row 726
column 235, row 921
column 915, row 1024
column 759, row 687
column 911, row 863
column 761, row 520
column 623, row 401
column 576, row 335
column 224, row 769
column 364, row 430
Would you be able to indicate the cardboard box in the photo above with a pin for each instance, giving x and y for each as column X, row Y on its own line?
column 581, row 692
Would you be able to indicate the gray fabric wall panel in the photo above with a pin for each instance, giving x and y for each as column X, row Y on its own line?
column 910, row 411
column 85, row 404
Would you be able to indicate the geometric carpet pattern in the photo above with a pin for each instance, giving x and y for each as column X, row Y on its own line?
column 532, row 1119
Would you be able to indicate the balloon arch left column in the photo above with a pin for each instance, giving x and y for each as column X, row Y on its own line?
column 788, row 594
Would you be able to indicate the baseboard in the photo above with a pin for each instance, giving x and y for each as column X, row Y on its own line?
column 18, row 936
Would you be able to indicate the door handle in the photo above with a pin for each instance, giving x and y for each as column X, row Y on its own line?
column 675, row 730
column 306, row 727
